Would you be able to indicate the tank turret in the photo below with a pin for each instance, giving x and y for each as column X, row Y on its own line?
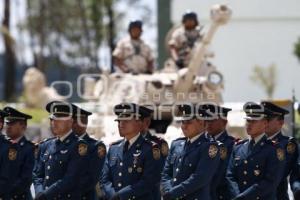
column 199, row 82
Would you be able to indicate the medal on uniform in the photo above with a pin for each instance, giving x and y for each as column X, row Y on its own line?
column 256, row 172
column 135, row 159
column 12, row 154
column 129, row 170
column 212, row 151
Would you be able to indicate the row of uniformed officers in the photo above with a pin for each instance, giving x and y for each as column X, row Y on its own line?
column 206, row 164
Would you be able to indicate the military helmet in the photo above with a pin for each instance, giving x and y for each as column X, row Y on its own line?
column 135, row 23
column 190, row 15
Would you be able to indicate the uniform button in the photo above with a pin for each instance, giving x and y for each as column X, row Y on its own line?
column 120, row 174
column 221, row 197
column 245, row 182
column 50, row 157
column 47, row 187
column 245, row 161
column 119, row 184
column 174, row 179
column 177, row 170
column 69, row 195
column 179, row 159
column 257, row 198
column 47, row 177
column 133, row 197
column 245, row 172
column 190, row 164
column 121, row 164
column 48, row 167
column 60, row 162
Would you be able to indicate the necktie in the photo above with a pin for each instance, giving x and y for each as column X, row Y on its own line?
column 187, row 144
column 126, row 145
column 251, row 145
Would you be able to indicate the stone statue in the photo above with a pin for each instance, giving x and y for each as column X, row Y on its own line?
column 36, row 93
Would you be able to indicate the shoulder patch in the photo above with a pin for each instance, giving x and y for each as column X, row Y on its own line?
column 156, row 153
column 101, row 150
column 212, row 151
column 291, row 147
column 223, row 152
column 164, row 148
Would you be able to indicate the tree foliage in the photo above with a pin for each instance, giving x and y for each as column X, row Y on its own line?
column 72, row 31
column 265, row 77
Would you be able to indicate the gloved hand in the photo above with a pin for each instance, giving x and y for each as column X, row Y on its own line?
column 40, row 196
column 180, row 63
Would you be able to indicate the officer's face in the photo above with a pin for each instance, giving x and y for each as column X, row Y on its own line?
column 59, row 127
column 80, row 125
column 191, row 128
column 135, row 32
column 216, row 126
column 189, row 24
column 273, row 126
column 129, row 128
column 15, row 129
column 256, row 127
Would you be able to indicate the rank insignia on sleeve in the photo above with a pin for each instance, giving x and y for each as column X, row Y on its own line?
column 164, row 149
column 223, row 153
column 212, row 151
column 156, row 153
column 82, row 149
column 290, row 148
column 12, row 154
column 101, row 151
column 280, row 154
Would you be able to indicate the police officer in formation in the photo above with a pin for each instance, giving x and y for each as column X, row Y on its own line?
column 96, row 154
column 69, row 165
column 163, row 145
column 216, row 127
column 275, row 117
column 183, row 39
column 18, row 159
column 193, row 159
column 63, row 160
column 132, row 54
column 132, row 167
column 257, row 164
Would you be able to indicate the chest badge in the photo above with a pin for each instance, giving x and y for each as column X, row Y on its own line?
column 212, row 151
column 12, row 154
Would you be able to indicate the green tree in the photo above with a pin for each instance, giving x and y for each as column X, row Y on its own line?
column 265, row 77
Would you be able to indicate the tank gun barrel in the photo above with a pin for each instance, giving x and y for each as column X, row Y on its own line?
column 220, row 15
